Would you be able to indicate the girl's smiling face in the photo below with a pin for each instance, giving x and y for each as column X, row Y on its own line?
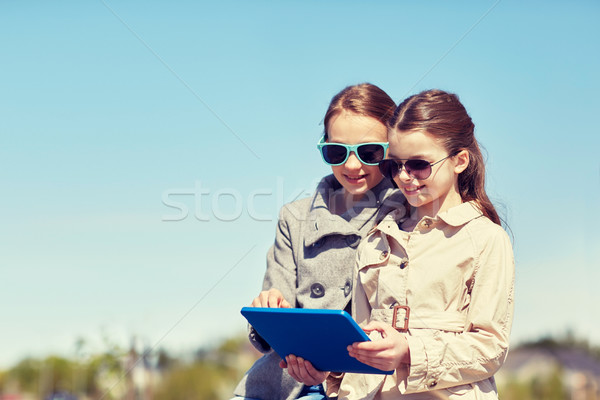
column 350, row 128
column 439, row 191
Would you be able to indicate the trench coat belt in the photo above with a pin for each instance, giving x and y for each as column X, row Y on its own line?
column 449, row 321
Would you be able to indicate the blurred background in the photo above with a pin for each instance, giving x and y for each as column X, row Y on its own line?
column 146, row 148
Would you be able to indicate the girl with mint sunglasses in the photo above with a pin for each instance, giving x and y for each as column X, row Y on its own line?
column 312, row 261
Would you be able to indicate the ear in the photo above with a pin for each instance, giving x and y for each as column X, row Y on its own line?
column 461, row 161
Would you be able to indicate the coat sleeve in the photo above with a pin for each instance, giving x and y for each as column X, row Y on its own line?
column 281, row 267
column 446, row 359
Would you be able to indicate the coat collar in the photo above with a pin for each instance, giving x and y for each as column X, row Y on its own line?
column 321, row 222
column 455, row 216
column 461, row 214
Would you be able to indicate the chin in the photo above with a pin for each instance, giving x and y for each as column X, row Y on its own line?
column 416, row 203
column 357, row 191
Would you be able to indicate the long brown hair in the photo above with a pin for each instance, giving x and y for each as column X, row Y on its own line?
column 363, row 99
column 443, row 116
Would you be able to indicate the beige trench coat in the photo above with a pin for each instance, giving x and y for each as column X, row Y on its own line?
column 455, row 272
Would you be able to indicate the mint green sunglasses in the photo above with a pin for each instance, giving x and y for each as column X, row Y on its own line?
column 367, row 153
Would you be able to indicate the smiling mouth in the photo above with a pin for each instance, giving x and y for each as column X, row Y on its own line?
column 354, row 178
column 414, row 189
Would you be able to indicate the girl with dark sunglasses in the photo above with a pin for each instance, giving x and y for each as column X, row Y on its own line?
column 434, row 279
column 312, row 261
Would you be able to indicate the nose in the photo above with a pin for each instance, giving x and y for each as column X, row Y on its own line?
column 403, row 175
column 353, row 162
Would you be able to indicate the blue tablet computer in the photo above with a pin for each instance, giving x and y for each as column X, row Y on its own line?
column 319, row 336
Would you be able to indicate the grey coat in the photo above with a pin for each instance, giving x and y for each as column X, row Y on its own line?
column 312, row 263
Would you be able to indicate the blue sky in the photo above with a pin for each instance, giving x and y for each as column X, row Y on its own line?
column 146, row 147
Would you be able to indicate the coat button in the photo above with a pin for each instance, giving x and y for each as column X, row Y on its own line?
column 431, row 383
column 353, row 241
column 383, row 255
column 317, row 290
column 403, row 264
column 347, row 289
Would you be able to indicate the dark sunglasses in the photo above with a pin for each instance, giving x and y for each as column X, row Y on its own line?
column 415, row 168
column 338, row 153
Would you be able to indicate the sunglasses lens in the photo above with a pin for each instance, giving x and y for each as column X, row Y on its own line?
column 334, row 153
column 371, row 153
column 388, row 168
column 419, row 169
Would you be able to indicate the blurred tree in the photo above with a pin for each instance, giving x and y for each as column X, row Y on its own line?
column 212, row 375
column 165, row 360
column 3, row 382
column 555, row 389
column 548, row 387
column 198, row 381
column 57, row 375
column 233, row 345
column 514, row 390
column 103, row 371
column 26, row 375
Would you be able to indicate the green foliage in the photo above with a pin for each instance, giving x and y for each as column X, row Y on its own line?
column 52, row 374
column 548, row 387
column 555, row 389
column 57, row 374
column 212, row 375
column 515, row 390
column 201, row 381
column 26, row 374
column 45, row 376
column 97, row 367
column 233, row 345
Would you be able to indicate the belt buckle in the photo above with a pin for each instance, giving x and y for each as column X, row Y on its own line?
column 406, row 316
